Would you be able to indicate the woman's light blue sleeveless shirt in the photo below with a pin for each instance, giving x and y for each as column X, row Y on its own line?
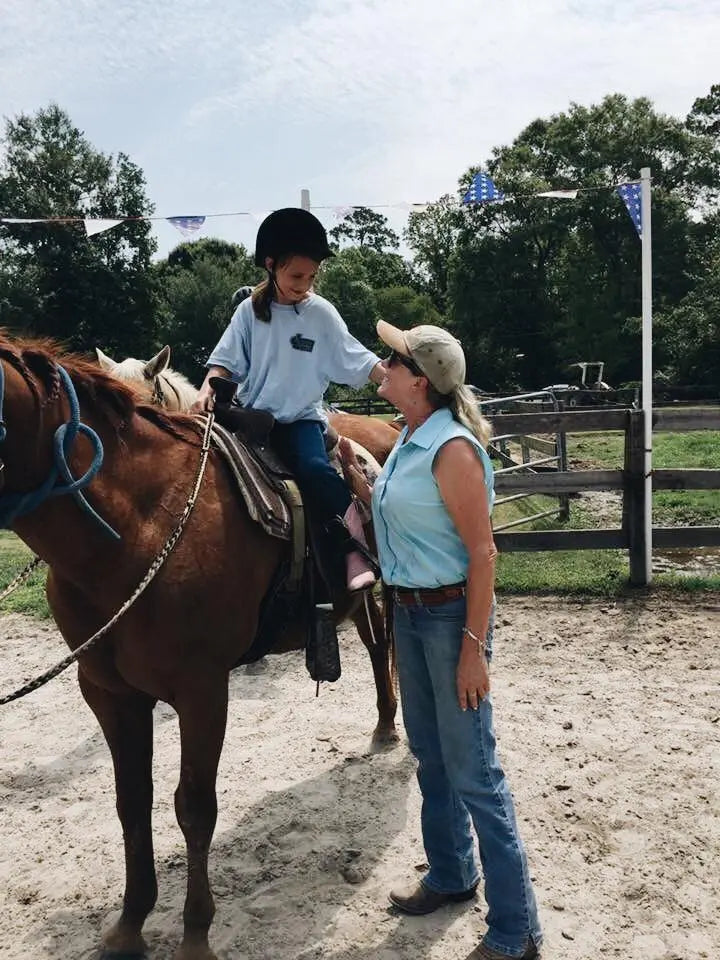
column 418, row 544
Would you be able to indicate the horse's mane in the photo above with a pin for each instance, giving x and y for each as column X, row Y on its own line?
column 36, row 359
column 185, row 391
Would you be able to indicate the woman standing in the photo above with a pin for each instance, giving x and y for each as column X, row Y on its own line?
column 431, row 510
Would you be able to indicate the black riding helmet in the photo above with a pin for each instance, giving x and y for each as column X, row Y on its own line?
column 291, row 231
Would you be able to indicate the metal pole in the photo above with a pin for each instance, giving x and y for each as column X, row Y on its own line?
column 305, row 199
column 647, row 364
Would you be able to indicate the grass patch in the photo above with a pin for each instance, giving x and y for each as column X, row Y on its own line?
column 605, row 572
column 30, row 597
column 699, row 449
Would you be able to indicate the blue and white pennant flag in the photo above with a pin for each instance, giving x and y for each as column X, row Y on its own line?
column 187, row 225
column 482, row 190
column 632, row 197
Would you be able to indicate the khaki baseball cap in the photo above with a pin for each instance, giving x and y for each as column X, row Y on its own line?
column 438, row 354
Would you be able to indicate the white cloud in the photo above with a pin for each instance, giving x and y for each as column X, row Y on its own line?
column 228, row 106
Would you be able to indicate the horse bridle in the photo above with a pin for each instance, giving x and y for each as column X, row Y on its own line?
column 158, row 394
column 60, row 480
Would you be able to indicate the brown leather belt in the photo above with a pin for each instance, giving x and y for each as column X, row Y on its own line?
column 427, row 596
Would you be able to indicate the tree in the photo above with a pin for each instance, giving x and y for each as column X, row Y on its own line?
column 195, row 285
column 376, row 268
column 366, row 228
column 560, row 281
column 704, row 117
column 54, row 280
column 432, row 235
column 406, row 308
column 345, row 283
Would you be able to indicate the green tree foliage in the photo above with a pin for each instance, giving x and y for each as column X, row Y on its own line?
column 366, row 286
column 344, row 281
column 432, row 236
column 53, row 279
column 560, row 282
column 195, row 285
column 364, row 227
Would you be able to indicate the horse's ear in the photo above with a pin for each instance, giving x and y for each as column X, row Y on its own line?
column 158, row 363
column 106, row 362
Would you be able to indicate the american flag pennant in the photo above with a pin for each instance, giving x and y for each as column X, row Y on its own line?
column 559, row 194
column 342, row 212
column 482, row 190
column 187, row 225
column 632, row 198
column 97, row 225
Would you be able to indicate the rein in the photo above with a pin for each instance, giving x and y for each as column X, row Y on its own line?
column 71, row 429
column 60, row 480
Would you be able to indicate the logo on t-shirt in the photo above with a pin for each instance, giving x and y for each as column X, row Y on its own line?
column 299, row 342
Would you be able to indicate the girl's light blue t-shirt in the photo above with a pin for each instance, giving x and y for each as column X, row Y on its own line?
column 418, row 543
column 286, row 366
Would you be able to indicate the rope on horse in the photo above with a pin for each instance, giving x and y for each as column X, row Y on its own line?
column 140, row 589
column 60, row 480
column 21, row 577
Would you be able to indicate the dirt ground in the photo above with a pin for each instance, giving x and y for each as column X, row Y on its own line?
column 608, row 717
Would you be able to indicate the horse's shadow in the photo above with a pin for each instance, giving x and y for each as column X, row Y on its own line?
column 291, row 873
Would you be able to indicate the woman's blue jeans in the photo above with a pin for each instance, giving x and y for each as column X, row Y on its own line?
column 460, row 777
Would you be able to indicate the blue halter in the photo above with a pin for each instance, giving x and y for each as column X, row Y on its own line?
column 60, row 480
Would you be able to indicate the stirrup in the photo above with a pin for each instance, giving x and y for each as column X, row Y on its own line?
column 322, row 653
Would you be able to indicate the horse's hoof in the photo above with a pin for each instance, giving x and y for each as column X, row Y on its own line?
column 114, row 955
column 194, row 952
column 120, row 943
column 257, row 667
column 384, row 738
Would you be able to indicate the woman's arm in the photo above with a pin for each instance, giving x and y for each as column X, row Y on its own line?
column 460, row 477
column 377, row 374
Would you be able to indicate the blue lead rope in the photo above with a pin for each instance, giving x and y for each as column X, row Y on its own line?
column 60, row 481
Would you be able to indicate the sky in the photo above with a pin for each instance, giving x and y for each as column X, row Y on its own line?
column 232, row 106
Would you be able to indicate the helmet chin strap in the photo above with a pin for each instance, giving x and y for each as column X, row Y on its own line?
column 276, row 285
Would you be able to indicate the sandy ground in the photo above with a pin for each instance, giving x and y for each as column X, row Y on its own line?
column 609, row 725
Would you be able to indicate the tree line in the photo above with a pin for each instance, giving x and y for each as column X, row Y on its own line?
column 530, row 285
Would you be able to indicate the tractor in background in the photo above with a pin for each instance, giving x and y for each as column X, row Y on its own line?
column 586, row 388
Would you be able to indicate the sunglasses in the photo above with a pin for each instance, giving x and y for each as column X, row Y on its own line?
column 396, row 357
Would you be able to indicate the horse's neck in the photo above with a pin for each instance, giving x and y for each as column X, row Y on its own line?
column 138, row 467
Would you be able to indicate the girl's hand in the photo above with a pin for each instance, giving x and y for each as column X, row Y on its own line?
column 354, row 476
column 472, row 678
column 205, row 401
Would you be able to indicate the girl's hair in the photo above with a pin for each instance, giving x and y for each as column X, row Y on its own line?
column 263, row 293
column 262, row 298
column 464, row 409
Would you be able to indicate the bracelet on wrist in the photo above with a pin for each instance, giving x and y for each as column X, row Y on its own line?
column 474, row 637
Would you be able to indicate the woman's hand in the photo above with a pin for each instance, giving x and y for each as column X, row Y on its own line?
column 472, row 676
column 354, row 476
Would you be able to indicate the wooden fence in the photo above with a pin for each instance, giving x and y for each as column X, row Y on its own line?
column 630, row 480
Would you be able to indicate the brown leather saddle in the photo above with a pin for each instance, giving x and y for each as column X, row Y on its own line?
column 309, row 578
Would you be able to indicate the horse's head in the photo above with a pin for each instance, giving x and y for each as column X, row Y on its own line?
column 154, row 379
column 41, row 419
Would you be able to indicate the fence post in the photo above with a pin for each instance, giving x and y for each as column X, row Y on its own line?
column 633, row 520
column 561, row 453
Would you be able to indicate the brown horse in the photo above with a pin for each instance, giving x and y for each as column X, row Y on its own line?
column 178, row 642
column 157, row 381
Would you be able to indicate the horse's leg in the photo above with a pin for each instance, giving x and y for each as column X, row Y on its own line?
column 372, row 634
column 127, row 722
column 202, row 709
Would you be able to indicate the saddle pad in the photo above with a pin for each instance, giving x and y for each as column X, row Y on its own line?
column 263, row 497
